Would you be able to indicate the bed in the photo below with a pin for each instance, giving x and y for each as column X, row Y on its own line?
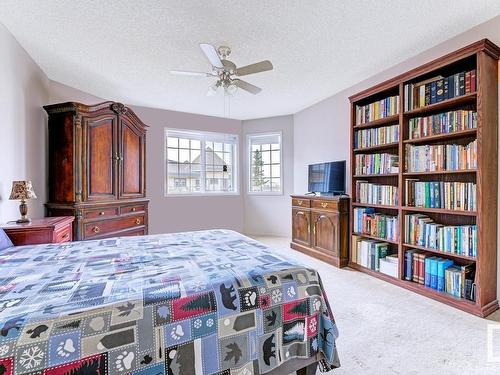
column 187, row 303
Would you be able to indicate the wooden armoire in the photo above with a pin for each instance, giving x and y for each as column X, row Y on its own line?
column 97, row 169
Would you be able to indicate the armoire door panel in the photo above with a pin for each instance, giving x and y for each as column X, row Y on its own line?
column 131, row 161
column 101, row 159
column 325, row 232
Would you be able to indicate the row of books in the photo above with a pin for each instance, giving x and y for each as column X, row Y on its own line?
column 374, row 255
column 440, row 274
column 442, row 123
column 366, row 221
column 460, row 196
column 376, row 164
column 445, row 157
column 369, row 193
column 421, row 230
column 376, row 136
column 377, row 110
column 439, row 88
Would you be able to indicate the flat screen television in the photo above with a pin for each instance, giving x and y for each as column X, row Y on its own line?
column 327, row 178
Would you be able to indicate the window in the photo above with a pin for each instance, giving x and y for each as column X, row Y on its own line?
column 200, row 162
column 264, row 172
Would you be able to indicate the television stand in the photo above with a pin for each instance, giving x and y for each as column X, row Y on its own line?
column 320, row 227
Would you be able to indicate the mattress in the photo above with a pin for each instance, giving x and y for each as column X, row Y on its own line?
column 187, row 303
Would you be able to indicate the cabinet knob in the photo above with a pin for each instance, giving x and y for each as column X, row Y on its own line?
column 101, row 213
column 138, row 221
column 299, row 202
column 134, row 209
column 96, row 229
column 324, row 204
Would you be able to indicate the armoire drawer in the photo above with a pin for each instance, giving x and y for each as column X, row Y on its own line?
column 299, row 202
column 102, row 213
column 132, row 209
column 99, row 228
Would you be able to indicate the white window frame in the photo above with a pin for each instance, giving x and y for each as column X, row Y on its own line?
column 202, row 136
column 249, row 162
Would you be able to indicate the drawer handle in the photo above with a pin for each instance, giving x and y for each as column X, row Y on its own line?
column 66, row 235
column 101, row 213
column 96, row 229
column 138, row 221
column 324, row 204
column 299, row 202
column 134, row 209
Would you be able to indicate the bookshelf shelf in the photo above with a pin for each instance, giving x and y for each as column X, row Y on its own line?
column 375, row 175
column 442, row 137
column 444, row 105
column 444, row 253
column 439, row 211
column 359, row 204
column 375, row 238
column 439, row 172
column 480, row 58
column 379, row 147
column 382, row 121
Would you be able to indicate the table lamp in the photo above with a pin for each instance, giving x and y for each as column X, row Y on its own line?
column 22, row 190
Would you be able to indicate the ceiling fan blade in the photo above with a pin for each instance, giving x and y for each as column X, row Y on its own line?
column 188, row 73
column 254, row 68
column 247, row 86
column 212, row 55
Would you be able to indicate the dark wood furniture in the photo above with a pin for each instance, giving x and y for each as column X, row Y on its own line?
column 97, row 164
column 482, row 56
column 45, row 230
column 320, row 227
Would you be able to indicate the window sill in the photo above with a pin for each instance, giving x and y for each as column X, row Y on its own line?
column 264, row 193
column 177, row 195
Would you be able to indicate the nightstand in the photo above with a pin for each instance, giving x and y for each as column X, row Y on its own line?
column 45, row 230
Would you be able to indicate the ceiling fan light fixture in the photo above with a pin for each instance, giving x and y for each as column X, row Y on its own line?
column 212, row 89
column 231, row 89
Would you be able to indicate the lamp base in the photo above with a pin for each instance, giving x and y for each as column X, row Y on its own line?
column 25, row 220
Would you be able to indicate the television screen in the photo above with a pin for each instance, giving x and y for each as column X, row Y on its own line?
column 327, row 178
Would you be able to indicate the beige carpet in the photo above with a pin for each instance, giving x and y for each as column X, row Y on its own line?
column 387, row 330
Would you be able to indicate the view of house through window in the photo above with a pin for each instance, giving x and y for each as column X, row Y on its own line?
column 200, row 162
column 264, row 163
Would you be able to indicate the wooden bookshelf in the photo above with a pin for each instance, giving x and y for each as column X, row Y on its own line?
column 483, row 57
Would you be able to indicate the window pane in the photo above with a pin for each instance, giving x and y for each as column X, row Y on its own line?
column 195, row 156
column 183, row 156
column 275, row 146
column 266, row 147
column 266, row 157
column 173, row 154
column 255, row 148
column 195, row 144
column 183, row 143
column 217, row 146
column 218, row 158
column 276, row 184
column 228, row 147
column 172, row 169
column 172, row 142
column 267, row 171
column 209, row 157
column 275, row 157
column 276, row 170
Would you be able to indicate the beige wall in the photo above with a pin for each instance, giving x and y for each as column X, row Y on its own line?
column 23, row 92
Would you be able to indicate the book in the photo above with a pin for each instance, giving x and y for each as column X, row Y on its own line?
column 442, row 265
column 409, row 265
column 439, row 90
column 433, row 273
column 389, row 265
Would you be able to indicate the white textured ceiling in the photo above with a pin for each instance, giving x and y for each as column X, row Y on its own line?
column 123, row 50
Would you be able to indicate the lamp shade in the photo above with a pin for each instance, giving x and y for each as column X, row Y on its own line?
column 22, row 190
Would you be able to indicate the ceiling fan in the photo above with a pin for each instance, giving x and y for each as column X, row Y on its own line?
column 225, row 71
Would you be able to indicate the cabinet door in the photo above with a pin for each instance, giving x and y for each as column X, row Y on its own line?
column 132, row 157
column 325, row 232
column 301, row 229
column 100, row 158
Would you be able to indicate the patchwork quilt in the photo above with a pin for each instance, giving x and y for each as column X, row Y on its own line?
column 208, row 302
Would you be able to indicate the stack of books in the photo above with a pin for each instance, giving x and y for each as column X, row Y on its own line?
column 376, row 136
column 368, row 253
column 376, row 194
column 377, row 110
column 460, row 196
column 366, row 221
column 433, row 158
column 439, row 88
column 442, row 123
column 376, row 164
column 440, row 274
column 421, row 230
